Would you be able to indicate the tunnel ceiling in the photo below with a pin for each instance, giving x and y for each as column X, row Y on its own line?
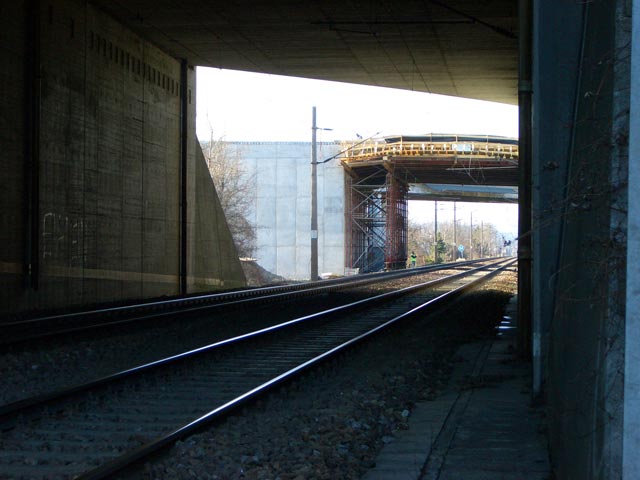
column 465, row 48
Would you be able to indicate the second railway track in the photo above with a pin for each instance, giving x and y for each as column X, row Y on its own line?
column 92, row 433
column 45, row 327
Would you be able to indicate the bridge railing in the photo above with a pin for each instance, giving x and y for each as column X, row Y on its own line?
column 372, row 149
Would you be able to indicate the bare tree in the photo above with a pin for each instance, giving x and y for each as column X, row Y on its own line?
column 420, row 241
column 485, row 239
column 235, row 187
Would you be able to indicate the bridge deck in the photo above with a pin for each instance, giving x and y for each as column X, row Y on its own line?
column 446, row 159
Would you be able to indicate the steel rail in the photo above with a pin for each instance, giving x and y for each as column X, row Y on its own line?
column 313, row 337
column 44, row 327
column 118, row 464
column 39, row 400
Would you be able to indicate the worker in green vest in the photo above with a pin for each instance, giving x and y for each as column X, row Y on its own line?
column 413, row 259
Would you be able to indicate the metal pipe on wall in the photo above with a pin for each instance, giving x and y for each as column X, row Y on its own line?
column 184, row 134
column 32, row 145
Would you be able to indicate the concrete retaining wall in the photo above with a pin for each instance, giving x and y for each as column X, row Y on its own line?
column 581, row 124
column 213, row 258
column 107, row 224
column 12, row 148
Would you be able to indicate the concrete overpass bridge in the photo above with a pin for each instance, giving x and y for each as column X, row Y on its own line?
column 104, row 194
column 380, row 179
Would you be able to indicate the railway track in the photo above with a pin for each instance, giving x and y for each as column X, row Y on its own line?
column 95, row 429
column 16, row 331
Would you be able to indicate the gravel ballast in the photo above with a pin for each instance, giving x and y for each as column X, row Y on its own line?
column 332, row 423
column 61, row 362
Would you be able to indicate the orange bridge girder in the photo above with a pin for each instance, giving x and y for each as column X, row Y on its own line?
column 438, row 158
column 377, row 185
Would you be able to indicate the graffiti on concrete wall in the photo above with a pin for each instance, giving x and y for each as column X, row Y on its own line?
column 62, row 237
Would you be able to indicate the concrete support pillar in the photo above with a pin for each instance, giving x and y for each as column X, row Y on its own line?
column 395, row 251
column 556, row 32
column 524, row 189
column 631, row 422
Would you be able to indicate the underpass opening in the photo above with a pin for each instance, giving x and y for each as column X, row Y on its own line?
column 264, row 123
column 365, row 182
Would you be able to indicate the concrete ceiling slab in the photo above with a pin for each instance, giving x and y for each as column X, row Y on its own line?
column 465, row 48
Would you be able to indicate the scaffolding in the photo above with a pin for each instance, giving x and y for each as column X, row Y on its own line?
column 395, row 253
column 376, row 223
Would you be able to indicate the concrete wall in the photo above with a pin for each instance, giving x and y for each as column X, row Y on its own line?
column 581, row 95
column 13, row 46
column 282, row 206
column 107, row 187
column 110, row 172
column 213, row 257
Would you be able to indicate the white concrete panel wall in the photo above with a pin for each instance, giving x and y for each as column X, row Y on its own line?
column 303, row 215
column 331, row 221
column 282, row 206
column 285, row 213
column 251, row 169
column 265, row 206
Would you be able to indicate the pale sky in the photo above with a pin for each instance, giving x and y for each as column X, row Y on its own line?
column 258, row 107
column 242, row 106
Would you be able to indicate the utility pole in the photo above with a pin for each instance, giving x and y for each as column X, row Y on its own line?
column 435, row 246
column 481, row 239
column 455, row 235
column 314, row 193
column 471, row 237
column 314, row 199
